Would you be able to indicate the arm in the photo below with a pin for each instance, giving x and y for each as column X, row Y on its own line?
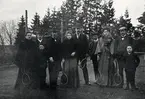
column 137, row 60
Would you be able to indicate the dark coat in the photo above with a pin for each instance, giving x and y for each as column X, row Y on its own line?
column 120, row 45
column 54, row 48
column 27, row 56
column 82, row 45
column 27, row 61
column 131, row 61
column 42, row 54
column 69, row 46
column 92, row 47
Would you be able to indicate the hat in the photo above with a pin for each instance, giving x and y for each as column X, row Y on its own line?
column 78, row 25
column 122, row 28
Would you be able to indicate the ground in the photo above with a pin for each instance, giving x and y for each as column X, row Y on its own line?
column 8, row 75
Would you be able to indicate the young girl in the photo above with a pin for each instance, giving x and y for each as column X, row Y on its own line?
column 131, row 63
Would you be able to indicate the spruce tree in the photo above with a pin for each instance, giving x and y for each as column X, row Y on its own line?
column 36, row 26
column 20, row 31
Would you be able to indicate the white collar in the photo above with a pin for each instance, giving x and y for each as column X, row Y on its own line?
column 40, row 40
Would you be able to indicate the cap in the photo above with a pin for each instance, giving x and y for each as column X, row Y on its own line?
column 122, row 28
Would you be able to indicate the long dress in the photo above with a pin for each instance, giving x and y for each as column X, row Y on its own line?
column 106, row 68
column 26, row 60
column 70, row 64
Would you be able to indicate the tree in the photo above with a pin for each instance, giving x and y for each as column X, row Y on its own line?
column 45, row 23
column 69, row 13
column 36, row 26
column 141, row 19
column 55, row 21
column 20, row 34
column 91, row 12
column 126, row 13
column 8, row 31
column 108, row 13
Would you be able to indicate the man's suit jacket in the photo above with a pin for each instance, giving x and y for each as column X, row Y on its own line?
column 82, row 44
column 121, row 44
column 54, row 49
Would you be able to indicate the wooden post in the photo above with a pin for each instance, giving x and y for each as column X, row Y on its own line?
column 61, row 31
column 26, row 22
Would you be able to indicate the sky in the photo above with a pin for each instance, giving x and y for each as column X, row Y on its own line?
column 14, row 9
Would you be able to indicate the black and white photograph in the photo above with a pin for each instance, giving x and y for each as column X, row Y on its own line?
column 72, row 49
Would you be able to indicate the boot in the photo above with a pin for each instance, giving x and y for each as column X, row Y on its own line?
column 133, row 87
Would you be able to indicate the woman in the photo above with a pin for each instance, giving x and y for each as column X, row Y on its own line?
column 70, row 61
column 26, row 60
column 105, row 49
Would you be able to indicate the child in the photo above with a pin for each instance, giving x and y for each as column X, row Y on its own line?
column 131, row 63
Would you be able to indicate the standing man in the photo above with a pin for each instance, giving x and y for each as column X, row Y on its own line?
column 82, row 49
column 120, row 47
column 93, row 53
column 55, row 57
column 42, row 60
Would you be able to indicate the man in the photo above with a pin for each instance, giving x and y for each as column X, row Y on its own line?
column 55, row 57
column 82, row 49
column 120, row 47
column 42, row 60
column 93, row 53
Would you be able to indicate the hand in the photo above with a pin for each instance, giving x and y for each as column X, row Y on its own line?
column 98, row 57
column 73, row 54
column 87, row 55
column 63, row 60
column 41, row 47
column 51, row 59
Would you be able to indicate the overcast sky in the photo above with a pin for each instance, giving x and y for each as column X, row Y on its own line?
column 13, row 9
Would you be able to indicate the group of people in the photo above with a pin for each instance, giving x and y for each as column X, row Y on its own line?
column 34, row 56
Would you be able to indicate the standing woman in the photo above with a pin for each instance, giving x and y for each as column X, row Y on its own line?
column 70, row 61
column 105, row 49
column 26, row 60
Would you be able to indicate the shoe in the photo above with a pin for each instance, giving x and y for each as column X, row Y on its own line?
column 126, row 88
column 88, row 83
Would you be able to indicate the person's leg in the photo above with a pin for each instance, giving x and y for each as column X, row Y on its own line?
column 132, row 80
column 95, row 64
column 121, row 65
column 85, row 70
column 42, row 71
column 127, row 80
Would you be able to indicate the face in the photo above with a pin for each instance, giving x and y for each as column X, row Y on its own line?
column 68, row 36
column 106, row 32
column 39, row 36
column 53, row 35
column 122, row 32
column 79, row 30
column 129, row 49
column 95, row 38
column 28, row 36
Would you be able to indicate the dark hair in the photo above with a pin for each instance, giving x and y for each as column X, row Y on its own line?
column 108, row 29
column 28, row 33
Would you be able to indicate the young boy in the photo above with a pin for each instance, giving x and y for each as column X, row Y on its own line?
column 131, row 63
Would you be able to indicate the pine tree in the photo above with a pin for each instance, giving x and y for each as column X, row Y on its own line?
column 126, row 13
column 108, row 13
column 20, row 31
column 91, row 15
column 141, row 19
column 36, row 26
column 45, row 23
column 69, row 12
